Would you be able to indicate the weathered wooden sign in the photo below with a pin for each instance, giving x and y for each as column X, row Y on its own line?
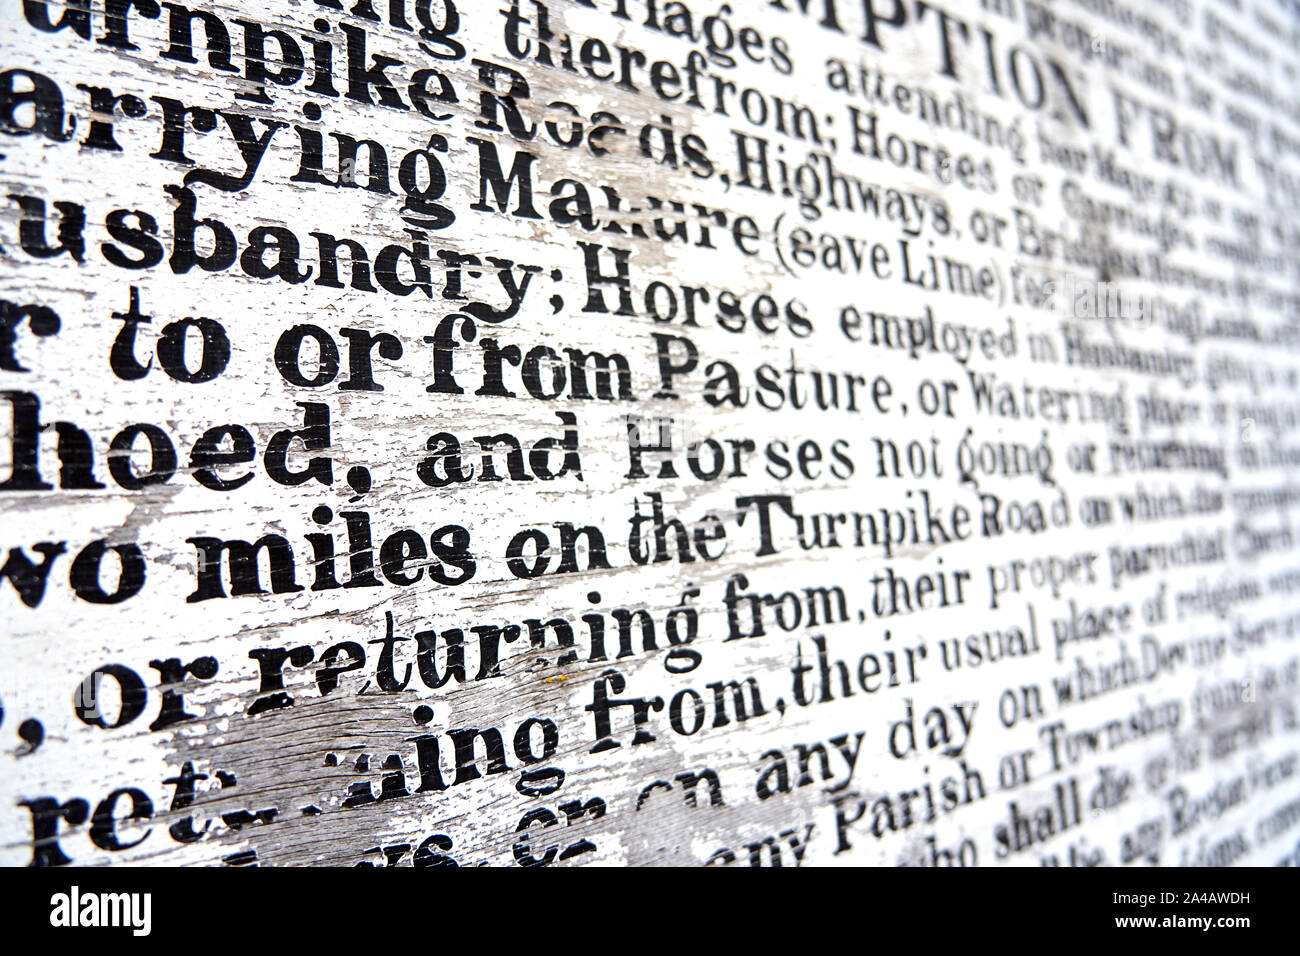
column 649, row 432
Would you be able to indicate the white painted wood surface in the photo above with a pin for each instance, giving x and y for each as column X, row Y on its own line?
column 847, row 230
